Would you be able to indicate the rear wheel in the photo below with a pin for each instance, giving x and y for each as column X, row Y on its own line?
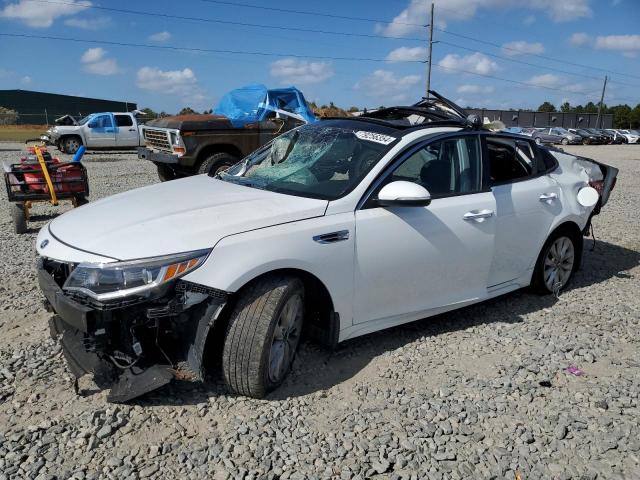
column 557, row 262
column 586, row 141
column 216, row 163
column 79, row 200
column 263, row 335
column 71, row 145
column 19, row 217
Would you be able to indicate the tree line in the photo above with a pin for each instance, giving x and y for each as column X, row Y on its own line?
column 624, row 116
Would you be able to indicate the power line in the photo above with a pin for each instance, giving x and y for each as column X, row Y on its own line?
column 307, row 12
column 227, row 22
column 486, row 42
column 522, row 62
column 200, row 50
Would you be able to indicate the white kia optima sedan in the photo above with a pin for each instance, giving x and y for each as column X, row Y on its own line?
column 335, row 229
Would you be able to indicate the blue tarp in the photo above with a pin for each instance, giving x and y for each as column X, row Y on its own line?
column 254, row 103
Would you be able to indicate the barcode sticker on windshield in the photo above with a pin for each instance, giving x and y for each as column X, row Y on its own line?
column 374, row 137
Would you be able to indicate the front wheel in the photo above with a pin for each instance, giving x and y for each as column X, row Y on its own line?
column 263, row 335
column 556, row 264
column 216, row 163
column 165, row 173
column 538, row 141
column 71, row 145
column 565, row 141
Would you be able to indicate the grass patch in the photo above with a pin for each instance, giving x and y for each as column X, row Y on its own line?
column 20, row 133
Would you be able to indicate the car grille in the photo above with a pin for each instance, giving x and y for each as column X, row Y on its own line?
column 158, row 139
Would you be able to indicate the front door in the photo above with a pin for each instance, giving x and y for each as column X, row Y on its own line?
column 527, row 202
column 100, row 131
column 126, row 132
column 415, row 260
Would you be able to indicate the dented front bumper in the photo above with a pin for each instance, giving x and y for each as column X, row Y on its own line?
column 136, row 345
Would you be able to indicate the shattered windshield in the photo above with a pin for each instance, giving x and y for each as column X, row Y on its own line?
column 317, row 161
column 84, row 120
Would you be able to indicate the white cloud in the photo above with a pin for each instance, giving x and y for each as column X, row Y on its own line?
column 579, row 39
column 174, row 82
column 624, row 43
column 42, row 15
column 26, row 80
column 88, row 23
column 291, row 70
column 160, row 37
column 545, row 80
column 93, row 55
column 404, row 54
column 521, row 48
column 95, row 62
column 474, row 63
column 388, row 87
column 529, row 20
column 474, row 89
column 416, row 14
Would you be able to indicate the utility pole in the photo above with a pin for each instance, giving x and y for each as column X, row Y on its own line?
column 599, row 117
column 430, row 51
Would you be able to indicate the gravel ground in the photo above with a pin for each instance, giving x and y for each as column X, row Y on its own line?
column 478, row 393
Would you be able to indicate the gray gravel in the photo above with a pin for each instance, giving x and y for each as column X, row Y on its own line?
column 479, row 393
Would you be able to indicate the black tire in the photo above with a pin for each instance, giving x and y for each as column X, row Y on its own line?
column 586, row 141
column 565, row 141
column 250, row 335
column 538, row 284
column 216, row 163
column 538, row 141
column 19, row 218
column 71, row 144
column 79, row 200
column 165, row 173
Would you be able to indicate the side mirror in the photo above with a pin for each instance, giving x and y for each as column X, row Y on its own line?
column 403, row 194
column 92, row 125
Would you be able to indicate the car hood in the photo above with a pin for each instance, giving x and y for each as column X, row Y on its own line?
column 177, row 216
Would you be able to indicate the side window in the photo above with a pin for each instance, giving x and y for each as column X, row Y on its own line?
column 103, row 121
column 445, row 167
column 124, row 121
column 509, row 160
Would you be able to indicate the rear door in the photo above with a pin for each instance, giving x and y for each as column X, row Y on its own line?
column 126, row 131
column 527, row 202
column 100, row 131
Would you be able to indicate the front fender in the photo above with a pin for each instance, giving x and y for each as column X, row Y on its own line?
column 238, row 259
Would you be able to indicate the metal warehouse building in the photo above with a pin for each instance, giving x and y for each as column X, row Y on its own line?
column 521, row 118
column 40, row 108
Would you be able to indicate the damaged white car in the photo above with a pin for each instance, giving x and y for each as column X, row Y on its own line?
column 333, row 230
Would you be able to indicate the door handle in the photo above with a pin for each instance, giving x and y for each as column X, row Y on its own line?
column 332, row 237
column 478, row 215
column 548, row 197
column 132, row 129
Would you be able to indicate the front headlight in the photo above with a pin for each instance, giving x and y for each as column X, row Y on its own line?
column 109, row 281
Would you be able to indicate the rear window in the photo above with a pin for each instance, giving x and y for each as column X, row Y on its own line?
column 124, row 121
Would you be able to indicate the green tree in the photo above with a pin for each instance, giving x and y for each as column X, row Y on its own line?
column 590, row 107
column 621, row 115
column 353, row 109
column 565, row 107
column 547, row 107
column 187, row 111
column 635, row 117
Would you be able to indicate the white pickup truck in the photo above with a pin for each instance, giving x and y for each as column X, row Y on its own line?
column 98, row 131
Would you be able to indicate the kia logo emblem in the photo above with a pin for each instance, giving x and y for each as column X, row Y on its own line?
column 44, row 243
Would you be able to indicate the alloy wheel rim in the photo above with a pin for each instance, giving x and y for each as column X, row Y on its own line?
column 558, row 263
column 286, row 336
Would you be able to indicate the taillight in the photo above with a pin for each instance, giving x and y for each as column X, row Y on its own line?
column 598, row 185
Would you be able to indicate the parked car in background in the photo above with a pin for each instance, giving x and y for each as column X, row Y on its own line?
column 98, row 131
column 605, row 136
column 338, row 228
column 244, row 120
column 618, row 138
column 555, row 135
column 632, row 136
column 588, row 138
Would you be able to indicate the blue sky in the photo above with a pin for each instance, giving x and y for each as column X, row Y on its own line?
column 589, row 38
